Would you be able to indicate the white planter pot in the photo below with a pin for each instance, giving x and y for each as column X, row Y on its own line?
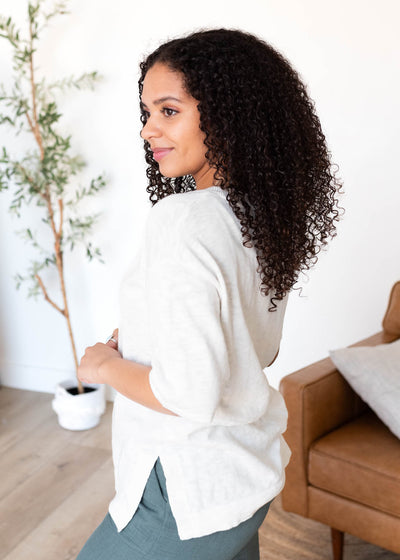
column 78, row 412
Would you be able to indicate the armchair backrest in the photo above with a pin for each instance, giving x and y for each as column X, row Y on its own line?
column 391, row 320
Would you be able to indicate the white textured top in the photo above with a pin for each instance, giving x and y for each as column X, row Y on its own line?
column 191, row 309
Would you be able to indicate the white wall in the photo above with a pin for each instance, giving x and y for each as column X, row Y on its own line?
column 347, row 52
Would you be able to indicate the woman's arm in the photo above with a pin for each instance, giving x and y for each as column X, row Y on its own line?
column 102, row 363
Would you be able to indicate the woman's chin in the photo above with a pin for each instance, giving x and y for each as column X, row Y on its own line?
column 168, row 173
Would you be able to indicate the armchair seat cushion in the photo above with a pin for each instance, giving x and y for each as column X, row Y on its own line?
column 359, row 461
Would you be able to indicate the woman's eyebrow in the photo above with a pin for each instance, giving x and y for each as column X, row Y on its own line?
column 163, row 100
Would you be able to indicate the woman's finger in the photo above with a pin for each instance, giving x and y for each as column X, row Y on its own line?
column 113, row 340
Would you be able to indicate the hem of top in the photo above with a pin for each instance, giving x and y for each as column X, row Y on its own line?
column 221, row 518
column 200, row 524
column 204, row 523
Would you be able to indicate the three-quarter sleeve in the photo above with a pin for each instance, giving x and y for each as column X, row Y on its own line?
column 189, row 360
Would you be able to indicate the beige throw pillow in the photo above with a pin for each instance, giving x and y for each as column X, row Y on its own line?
column 374, row 374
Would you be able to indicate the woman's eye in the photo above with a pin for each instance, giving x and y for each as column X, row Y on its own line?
column 169, row 112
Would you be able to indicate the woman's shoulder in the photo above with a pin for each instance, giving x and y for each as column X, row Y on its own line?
column 194, row 221
column 170, row 204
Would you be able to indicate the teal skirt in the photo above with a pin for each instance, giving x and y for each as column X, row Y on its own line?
column 152, row 533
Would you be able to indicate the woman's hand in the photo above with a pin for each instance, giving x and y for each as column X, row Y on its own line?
column 89, row 370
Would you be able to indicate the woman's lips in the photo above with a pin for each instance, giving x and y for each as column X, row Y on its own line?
column 159, row 153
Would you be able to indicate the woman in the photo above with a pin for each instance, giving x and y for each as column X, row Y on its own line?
column 243, row 200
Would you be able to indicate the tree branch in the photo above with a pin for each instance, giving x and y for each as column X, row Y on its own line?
column 60, row 226
column 46, row 296
column 30, row 122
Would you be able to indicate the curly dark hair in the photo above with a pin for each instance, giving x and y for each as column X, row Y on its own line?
column 264, row 140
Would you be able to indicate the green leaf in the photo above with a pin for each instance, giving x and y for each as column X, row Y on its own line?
column 6, row 119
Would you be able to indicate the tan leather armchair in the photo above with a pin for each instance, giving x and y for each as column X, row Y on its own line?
column 345, row 465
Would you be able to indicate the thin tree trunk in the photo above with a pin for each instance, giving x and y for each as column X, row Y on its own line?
column 34, row 125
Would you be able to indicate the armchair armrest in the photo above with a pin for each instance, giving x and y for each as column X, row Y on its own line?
column 319, row 400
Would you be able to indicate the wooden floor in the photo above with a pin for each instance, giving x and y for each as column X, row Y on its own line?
column 55, row 484
column 55, row 487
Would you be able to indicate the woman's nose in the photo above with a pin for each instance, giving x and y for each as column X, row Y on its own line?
column 150, row 130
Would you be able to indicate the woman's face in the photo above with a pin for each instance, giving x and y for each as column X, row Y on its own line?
column 173, row 127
